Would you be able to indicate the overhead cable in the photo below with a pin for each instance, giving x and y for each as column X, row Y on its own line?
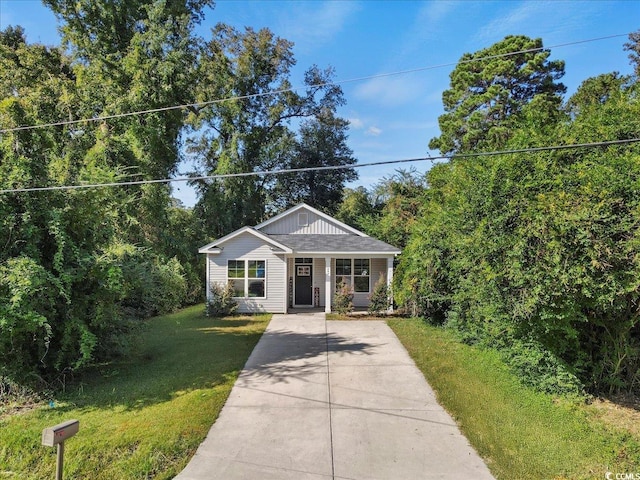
column 324, row 168
column 293, row 89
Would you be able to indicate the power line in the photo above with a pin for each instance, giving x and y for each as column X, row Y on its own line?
column 293, row 89
column 325, row 168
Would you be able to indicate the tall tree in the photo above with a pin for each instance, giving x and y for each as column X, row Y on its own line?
column 488, row 90
column 134, row 56
column 251, row 129
column 633, row 47
column 322, row 142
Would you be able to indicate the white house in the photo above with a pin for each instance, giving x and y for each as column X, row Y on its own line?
column 295, row 260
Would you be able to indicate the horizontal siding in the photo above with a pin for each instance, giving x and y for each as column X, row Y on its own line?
column 248, row 247
column 316, row 225
column 319, row 277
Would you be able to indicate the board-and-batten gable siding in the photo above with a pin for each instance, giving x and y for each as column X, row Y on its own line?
column 316, row 225
column 248, row 247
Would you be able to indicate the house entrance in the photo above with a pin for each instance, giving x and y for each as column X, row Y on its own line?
column 303, row 282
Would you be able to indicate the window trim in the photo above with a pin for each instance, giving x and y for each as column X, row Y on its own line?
column 247, row 278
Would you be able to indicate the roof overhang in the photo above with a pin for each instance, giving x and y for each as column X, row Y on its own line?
column 346, row 254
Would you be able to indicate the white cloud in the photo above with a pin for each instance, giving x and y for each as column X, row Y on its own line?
column 434, row 12
column 356, row 123
column 393, row 91
column 546, row 19
column 373, row 131
column 312, row 24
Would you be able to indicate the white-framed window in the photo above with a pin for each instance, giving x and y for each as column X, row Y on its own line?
column 303, row 219
column 343, row 272
column 361, row 274
column 248, row 278
column 355, row 273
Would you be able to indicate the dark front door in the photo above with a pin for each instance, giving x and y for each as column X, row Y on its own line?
column 304, row 285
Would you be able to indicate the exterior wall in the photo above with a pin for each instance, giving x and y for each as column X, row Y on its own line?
column 316, row 224
column 248, row 247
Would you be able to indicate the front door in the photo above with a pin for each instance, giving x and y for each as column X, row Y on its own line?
column 304, row 285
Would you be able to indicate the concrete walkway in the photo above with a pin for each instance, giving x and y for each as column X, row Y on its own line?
column 332, row 400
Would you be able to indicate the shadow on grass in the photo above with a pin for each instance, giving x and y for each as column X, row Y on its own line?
column 175, row 354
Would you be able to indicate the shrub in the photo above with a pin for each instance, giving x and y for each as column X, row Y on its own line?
column 343, row 298
column 221, row 302
column 379, row 298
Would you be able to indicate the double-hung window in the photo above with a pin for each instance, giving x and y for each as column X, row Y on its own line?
column 354, row 272
column 247, row 278
column 361, row 274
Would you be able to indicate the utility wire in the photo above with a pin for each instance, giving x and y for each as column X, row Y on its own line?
column 331, row 167
column 293, row 89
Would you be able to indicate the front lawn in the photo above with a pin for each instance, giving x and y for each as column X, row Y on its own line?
column 142, row 417
column 521, row 433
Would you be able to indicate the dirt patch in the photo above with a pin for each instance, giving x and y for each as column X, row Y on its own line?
column 619, row 412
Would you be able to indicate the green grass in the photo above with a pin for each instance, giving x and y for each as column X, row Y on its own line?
column 521, row 433
column 143, row 417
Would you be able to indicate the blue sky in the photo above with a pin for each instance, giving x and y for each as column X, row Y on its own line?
column 393, row 117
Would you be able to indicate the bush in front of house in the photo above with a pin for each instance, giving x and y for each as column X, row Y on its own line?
column 343, row 298
column 221, row 302
column 379, row 299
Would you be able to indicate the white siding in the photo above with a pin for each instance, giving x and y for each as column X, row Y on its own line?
column 315, row 224
column 249, row 247
column 318, row 278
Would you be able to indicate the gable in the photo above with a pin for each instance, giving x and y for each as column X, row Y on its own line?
column 245, row 232
column 305, row 220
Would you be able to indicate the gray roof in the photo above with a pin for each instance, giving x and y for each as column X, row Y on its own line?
column 314, row 243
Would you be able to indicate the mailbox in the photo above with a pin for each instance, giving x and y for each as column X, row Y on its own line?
column 52, row 436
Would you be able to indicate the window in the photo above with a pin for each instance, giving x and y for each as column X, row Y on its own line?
column 343, row 271
column 247, row 277
column 303, row 219
column 236, row 277
column 354, row 272
column 361, row 274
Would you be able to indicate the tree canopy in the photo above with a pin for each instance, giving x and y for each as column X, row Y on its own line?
column 78, row 268
column 489, row 90
column 537, row 253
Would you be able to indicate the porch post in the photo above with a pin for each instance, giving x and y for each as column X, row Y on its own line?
column 327, row 284
column 390, row 281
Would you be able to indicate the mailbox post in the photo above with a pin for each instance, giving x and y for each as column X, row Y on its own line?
column 55, row 436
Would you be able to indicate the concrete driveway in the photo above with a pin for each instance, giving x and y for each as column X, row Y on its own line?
column 328, row 399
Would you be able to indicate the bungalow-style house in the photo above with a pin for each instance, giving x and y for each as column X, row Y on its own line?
column 295, row 260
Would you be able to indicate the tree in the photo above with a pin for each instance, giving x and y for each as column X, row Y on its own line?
column 488, row 90
column 398, row 200
column 633, row 47
column 133, row 56
column 251, row 131
column 356, row 206
column 536, row 253
column 322, row 142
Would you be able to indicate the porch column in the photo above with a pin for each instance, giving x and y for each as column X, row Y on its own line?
column 390, row 281
column 327, row 284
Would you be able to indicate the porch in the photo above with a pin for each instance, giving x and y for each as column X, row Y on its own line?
column 312, row 280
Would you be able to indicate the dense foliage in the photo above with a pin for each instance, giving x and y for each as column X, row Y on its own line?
column 537, row 253
column 79, row 268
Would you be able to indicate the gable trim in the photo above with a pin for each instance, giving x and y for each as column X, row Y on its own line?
column 312, row 210
column 213, row 247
